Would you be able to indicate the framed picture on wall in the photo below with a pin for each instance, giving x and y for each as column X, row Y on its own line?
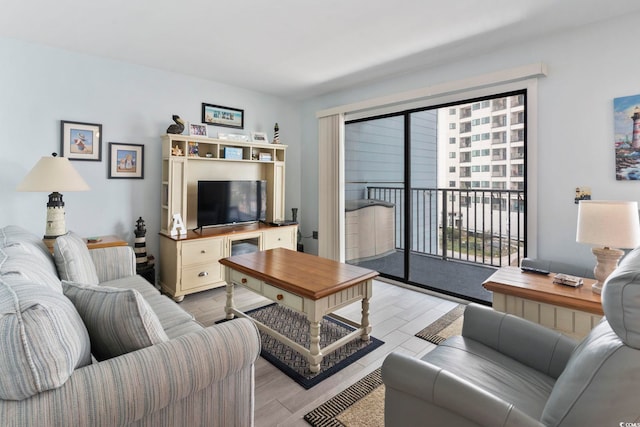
column 126, row 160
column 222, row 116
column 81, row 141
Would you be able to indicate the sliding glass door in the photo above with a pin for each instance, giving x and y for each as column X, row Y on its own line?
column 428, row 186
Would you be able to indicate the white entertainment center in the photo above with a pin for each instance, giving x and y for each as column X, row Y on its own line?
column 189, row 263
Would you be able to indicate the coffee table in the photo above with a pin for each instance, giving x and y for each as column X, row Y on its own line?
column 306, row 283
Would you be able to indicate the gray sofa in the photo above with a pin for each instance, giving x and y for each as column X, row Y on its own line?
column 506, row 371
column 87, row 342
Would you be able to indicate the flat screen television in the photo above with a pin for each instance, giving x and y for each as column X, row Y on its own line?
column 231, row 202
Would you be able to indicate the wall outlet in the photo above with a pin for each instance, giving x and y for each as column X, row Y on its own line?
column 315, row 235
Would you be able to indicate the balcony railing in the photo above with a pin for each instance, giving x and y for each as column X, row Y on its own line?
column 479, row 226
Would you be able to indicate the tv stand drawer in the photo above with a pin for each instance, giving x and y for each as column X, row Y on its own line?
column 202, row 251
column 201, row 275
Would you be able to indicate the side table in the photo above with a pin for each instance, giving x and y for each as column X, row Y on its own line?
column 104, row 242
column 572, row 311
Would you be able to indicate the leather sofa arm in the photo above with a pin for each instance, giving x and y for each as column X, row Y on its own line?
column 129, row 388
column 418, row 393
column 529, row 343
column 114, row 262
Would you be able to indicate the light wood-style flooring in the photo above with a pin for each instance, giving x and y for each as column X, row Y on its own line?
column 396, row 314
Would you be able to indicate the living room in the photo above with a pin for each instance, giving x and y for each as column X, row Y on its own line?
column 571, row 127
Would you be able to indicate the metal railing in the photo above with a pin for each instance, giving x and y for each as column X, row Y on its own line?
column 479, row 226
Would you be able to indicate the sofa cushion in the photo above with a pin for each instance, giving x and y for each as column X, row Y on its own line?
column 526, row 388
column 16, row 264
column 73, row 260
column 118, row 320
column 43, row 339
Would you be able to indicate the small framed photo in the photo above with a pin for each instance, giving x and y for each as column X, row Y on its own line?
column 259, row 137
column 81, row 141
column 126, row 160
column 222, row 116
column 198, row 129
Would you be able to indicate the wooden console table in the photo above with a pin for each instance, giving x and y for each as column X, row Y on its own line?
column 306, row 283
column 572, row 311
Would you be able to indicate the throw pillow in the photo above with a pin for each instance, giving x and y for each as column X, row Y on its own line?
column 118, row 320
column 43, row 339
column 73, row 260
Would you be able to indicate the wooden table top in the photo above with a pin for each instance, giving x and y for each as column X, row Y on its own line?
column 303, row 274
column 538, row 287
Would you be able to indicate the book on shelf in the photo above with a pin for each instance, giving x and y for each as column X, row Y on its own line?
column 568, row 280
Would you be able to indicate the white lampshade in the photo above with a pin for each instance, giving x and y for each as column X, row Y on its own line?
column 53, row 174
column 612, row 224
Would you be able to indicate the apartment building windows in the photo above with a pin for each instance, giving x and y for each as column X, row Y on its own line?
column 516, row 100
column 452, row 126
column 452, row 169
column 452, row 111
column 517, row 118
column 465, row 127
column 499, row 104
column 499, row 154
column 499, row 171
column 452, row 155
column 465, row 141
column 465, row 112
column 499, row 137
column 452, row 140
column 499, row 121
column 517, row 135
column 517, row 153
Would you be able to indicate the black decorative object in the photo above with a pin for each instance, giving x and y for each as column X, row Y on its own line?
column 276, row 134
column 144, row 264
column 178, row 127
column 294, row 219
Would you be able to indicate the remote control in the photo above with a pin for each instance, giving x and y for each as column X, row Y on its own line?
column 534, row 270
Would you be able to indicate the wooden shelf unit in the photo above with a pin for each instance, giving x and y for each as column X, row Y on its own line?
column 180, row 173
column 189, row 263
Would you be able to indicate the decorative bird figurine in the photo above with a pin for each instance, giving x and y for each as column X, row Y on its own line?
column 178, row 127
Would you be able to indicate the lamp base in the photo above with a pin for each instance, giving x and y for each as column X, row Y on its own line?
column 607, row 261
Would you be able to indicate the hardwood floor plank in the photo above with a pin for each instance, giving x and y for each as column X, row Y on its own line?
column 396, row 314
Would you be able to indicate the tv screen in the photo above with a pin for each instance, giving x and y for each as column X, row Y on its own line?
column 231, row 202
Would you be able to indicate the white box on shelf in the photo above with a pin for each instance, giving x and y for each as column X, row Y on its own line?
column 264, row 157
column 233, row 153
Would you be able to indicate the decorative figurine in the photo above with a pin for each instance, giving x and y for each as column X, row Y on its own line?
column 140, row 246
column 276, row 134
column 178, row 127
column 176, row 151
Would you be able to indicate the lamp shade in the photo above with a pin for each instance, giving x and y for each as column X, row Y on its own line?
column 613, row 224
column 53, row 174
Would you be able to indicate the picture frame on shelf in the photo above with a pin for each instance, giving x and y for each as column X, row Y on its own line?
column 81, row 141
column 198, row 129
column 218, row 115
column 126, row 161
column 259, row 137
column 233, row 137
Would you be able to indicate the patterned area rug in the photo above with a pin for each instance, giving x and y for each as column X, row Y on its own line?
column 296, row 327
column 446, row 326
column 362, row 404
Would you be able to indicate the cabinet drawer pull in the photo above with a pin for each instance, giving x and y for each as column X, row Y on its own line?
column 203, row 274
column 203, row 251
column 244, row 280
column 279, row 297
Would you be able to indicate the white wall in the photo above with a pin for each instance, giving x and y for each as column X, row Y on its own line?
column 39, row 86
column 588, row 68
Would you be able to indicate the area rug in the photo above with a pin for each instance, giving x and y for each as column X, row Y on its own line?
column 362, row 404
column 446, row 326
column 295, row 326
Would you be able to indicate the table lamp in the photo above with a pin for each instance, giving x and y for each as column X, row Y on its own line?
column 53, row 174
column 611, row 226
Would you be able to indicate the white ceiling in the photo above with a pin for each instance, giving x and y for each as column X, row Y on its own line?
column 294, row 48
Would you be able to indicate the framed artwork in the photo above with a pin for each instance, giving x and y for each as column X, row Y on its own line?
column 222, row 116
column 259, row 137
column 126, row 160
column 626, row 122
column 81, row 141
column 196, row 129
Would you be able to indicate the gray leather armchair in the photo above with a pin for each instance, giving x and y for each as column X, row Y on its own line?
column 507, row 371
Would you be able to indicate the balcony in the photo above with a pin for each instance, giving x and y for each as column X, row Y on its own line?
column 481, row 228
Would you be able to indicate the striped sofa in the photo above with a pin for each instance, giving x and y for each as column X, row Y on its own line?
column 84, row 341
